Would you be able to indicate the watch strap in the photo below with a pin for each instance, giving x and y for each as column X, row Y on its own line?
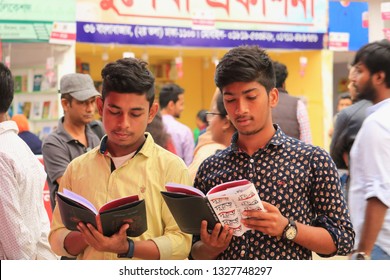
column 291, row 223
column 130, row 252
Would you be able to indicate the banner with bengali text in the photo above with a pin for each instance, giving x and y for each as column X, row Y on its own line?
column 289, row 24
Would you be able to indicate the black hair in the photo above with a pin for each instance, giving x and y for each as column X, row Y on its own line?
column 281, row 73
column 128, row 75
column 157, row 129
column 376, row 57
column 245, row 64
column 220, row 106
column 345, row 96
column 6, row 88
column 169, row 92
column 202, row 115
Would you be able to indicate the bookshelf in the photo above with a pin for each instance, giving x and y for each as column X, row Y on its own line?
column 36, row 96
column 164, row 73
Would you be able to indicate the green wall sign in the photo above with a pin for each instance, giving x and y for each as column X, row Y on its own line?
column 32, row 20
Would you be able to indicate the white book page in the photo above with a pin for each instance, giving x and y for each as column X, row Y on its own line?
column 78, row 198
column 229, row 205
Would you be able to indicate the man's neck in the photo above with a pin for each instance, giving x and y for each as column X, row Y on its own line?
column 3, row 117
column 252, row 143
column 76, row 131
column 164, row 111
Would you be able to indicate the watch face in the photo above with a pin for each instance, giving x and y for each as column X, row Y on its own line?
column 291, row 233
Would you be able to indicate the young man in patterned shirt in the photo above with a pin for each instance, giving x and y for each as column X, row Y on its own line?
column 298, row 183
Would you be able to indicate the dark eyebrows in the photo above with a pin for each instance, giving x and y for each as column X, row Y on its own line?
column 249, row 90
column 244, row 92
column 113, row 106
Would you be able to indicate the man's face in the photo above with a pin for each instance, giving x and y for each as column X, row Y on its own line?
column 80, row 112
column 179, row 106
column 362, row 81
column 248, row 106
column 351, row 88
column 125, row 117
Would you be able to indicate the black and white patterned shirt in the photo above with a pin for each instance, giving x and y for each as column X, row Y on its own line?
column 300, row 179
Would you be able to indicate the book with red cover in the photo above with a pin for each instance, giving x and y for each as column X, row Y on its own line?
column 74, row 209
column 223, row 204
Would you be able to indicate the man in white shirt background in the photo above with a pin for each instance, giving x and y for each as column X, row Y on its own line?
column 172, row 104
column 369, row 190
column 23, row 218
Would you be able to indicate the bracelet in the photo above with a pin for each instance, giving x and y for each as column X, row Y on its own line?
column 130, row 252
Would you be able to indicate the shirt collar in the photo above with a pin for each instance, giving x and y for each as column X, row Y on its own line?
column 145, row 149
column 377, row 106
column 8, row 125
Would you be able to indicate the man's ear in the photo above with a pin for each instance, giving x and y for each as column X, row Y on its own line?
column 99, row 105
column 273, row 97
column 226, row 123
column 380, row 77
column 153, row 111
column 65, row 104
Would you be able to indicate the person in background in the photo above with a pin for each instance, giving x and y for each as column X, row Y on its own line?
column 30, row 138
column 348, row 123
column 201, row 124
column 97, row 128
column 172, row 105
column 24, row 222
column 298, row 183
column 369, row 190
column 73, row 136
column 221, row 130
column 160, row 135
column 343, row 102
column 127, row 162
column 290, row 113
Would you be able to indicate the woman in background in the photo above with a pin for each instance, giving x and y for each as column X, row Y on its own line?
column 219, row 128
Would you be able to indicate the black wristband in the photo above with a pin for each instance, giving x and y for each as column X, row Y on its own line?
column 130, row 252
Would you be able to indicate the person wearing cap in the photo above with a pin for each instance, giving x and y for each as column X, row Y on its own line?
column 73, row 136
column 172, row 104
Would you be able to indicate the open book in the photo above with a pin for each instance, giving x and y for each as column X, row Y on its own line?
column 74, row 209
column 223, row 204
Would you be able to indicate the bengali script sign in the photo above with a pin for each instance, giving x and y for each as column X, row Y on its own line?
column 204, row 23
column 38, row 10
column 180, row 36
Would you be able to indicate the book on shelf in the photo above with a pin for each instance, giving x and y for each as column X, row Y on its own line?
column 20, row 83
column 46, row 110
column 19, row 108
column 37, row 82
column 26, row 108
column 223, row 204
column 53, row 113
column 44, row 132
column 74, row 208
column 36, row 111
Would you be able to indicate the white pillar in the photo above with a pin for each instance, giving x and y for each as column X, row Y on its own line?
column 376, row 24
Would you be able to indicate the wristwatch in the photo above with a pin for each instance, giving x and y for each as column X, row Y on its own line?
column 290, row 231
column 130, row 252
column 360, row 256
